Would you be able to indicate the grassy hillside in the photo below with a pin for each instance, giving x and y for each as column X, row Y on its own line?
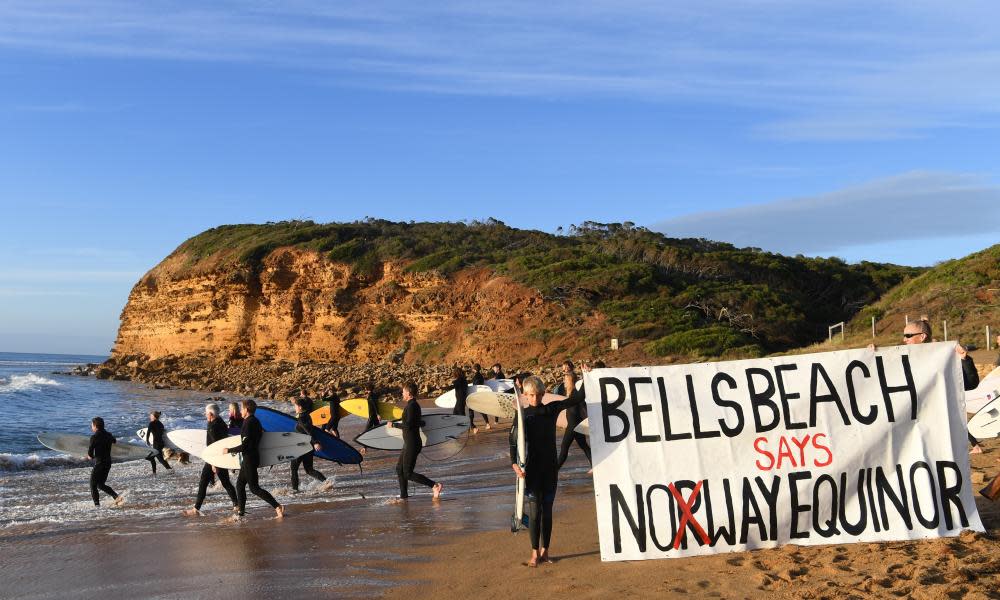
column 688, row 297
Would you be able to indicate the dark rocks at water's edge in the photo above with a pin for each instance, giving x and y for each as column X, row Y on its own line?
column 283, row 380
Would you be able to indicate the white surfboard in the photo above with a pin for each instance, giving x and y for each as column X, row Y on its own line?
column 77, row 445
column 583, row 427
column 437, row 429
column 517, row 518
column 984, row 392
column 191, row 441
column 274, row 448
column 447, row 399
column 986, row 423
column 141, row 434
column 494, row 404
column 500, row 385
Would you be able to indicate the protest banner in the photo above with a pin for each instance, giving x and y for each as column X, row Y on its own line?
column 838, row 447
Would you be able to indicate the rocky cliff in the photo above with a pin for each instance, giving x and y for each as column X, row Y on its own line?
column 300, row 306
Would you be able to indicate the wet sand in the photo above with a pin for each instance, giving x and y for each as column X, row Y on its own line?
column 490, row 565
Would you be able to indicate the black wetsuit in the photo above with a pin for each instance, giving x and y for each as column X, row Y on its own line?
column 215, row 431
column 250, row 435
column 303, row 424
column 410, row 424
column 333, row 425
column 970, row 377
column 100, row 451
column 373, row 419
column 461, row 387
column 155, row 431
column 574, row 415
column 541, row 469
column 235, row 423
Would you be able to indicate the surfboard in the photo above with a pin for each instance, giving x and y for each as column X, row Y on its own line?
column 518, row 520
column 331, row 447
column 274, row 448
column 437, row 429
column 141, row 434
column 494, row 404
column 78, row 445
column 191, row 441
column 500, row 385
column 358, row 407
column 583, row 427
column 323, row 413
column 447, row 399
column 981, row 396
column 986, row 423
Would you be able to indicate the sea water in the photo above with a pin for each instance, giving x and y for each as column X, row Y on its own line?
column 44, row 491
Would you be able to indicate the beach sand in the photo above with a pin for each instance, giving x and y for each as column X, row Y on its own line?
column 491, row 565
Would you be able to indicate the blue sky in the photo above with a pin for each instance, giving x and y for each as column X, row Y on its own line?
column 861, row 130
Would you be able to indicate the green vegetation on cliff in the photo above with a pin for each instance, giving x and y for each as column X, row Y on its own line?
column 678, row 296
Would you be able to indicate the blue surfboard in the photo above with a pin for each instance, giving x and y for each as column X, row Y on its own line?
column 331, row 448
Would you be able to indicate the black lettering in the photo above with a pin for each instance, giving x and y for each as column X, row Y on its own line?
column 610, row 409
column 857, row 365
column 931, row 523
column 638, row 409
column 668, row 434
column 899, row 501
column 815, row 397
column 888, row 391
column 722, row 532
column 862, row 522
column 771, row 497
column 698, row 433
column 762, row 399
column 735, row 406
column 652, row 515
column 793, row 479
column 748, row 500
column 786, row 396
column 828, row 529
column 638, row 528
column 950, row 493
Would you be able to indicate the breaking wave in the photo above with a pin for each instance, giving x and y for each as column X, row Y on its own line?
column 25, row 383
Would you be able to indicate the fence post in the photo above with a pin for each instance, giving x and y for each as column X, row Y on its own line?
column 988, row 340
column 945, row 330
column 873, row 328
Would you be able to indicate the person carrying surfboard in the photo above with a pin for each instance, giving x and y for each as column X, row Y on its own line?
column 100, row 452
column 303, row 424
column 410, row 424
column 373, row 419
column 154, row 438
column 573, row 417
column 541, row 466
column 250, row 435
column 479, row 379
column 461, row 386
column 215, row 430
column 332, row 400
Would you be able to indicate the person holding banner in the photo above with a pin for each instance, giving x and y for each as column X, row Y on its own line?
column 919, row 332
column 541, row 467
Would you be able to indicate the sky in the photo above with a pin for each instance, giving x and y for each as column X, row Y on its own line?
column 864, row 130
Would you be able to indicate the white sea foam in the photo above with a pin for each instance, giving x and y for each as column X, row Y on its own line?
column 25, row 383
column 34, row 462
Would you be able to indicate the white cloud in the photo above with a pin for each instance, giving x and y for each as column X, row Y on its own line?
column 817, row 70
column 911, row 206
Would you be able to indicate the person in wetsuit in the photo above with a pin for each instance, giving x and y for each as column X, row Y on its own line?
column 412, row 444
column 574, row 415
column 479, row 379
column 461, row 386
column 235, row 418
column 373, row 419
column 100, row 452
column 496, row 372
column 303, row 424
column 541, row 468
column 154, row 437
column 333, row 400
column 250, row 436
column 215, row 430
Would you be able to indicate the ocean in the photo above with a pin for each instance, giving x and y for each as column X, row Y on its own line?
column 43, row 493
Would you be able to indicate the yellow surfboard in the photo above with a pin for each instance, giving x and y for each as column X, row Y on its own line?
column 321, row 416
column 359, row 407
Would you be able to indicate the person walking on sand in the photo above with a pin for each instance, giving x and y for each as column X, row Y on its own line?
column 919, row 332
column 154, row 432
column 373, row 419
column 303, row 424
column 461, row 386
column 410, row 423
column 479, row 379
column 100, row 452
column 250, row 436
column 541, row 468
column 215, row 430
column 332, row 400
column 574, row 415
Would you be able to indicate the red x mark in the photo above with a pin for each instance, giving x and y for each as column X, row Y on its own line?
column 687, row 516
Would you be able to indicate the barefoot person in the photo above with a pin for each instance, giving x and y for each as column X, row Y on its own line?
column 250, row 436
column 100, row 452
column 215, row 430
column 574, row 415
column 542, row 466
column 410, row 424
column 154, row 437
column 478, row 378
column 303, row 424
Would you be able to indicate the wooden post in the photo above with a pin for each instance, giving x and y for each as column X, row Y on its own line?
column 873, row 328
column 907, row 318
column 988, row 340
column 945, row 330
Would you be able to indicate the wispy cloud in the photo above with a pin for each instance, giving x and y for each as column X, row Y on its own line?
column 912, row 206
column 813, row 70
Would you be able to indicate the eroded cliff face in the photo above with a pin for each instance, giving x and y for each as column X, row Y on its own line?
column 302, row 307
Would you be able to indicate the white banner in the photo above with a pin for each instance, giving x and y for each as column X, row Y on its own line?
column 840, row 447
